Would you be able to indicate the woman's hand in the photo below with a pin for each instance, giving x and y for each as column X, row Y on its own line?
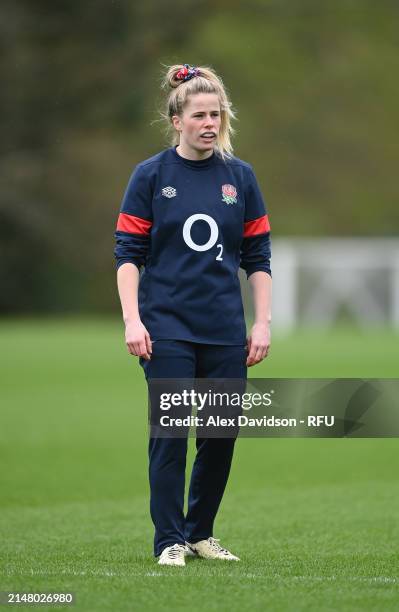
column 138, row 339
column 258, row 343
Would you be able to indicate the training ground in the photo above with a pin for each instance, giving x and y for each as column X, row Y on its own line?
column 315, row 521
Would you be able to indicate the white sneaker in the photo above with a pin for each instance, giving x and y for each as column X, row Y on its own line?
column 189, row 552
column 210, row 549
column 173, row 555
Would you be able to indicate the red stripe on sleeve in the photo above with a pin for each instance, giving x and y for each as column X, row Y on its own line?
column 257, row 226
column 133, row 225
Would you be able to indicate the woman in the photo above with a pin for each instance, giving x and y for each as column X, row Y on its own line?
column 191, row 215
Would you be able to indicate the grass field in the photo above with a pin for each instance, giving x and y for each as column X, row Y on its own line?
column 315, row 521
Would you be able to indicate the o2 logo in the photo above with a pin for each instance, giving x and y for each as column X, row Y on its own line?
column 212, row 238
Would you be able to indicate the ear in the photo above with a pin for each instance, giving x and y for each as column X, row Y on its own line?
column 176, row 122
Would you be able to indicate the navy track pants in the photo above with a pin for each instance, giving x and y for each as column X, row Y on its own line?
column 167, row 456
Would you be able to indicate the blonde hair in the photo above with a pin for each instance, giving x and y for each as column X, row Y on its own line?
column 205, row 81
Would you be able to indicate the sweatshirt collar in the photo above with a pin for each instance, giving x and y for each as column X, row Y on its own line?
column 197, row 164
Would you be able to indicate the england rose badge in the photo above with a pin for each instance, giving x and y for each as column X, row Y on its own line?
column 229, row 194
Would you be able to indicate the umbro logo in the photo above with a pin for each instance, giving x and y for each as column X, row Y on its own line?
column 169, row 192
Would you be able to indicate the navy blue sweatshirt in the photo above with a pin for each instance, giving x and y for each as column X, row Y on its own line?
column 191, row 225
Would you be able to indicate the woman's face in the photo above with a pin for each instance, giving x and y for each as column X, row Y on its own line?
column 199, row 124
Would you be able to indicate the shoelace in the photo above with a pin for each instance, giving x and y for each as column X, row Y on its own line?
column 175, row 551
column 214, row 543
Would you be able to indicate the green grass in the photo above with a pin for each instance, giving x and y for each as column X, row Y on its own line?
column 315, row 521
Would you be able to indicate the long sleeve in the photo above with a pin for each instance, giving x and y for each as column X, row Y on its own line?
column 255, row 247
column 135, row 221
